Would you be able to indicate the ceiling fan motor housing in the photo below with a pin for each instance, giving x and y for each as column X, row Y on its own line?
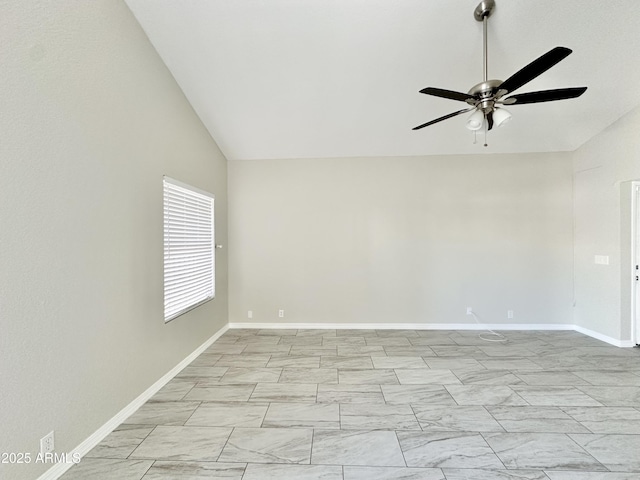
column 486, row 92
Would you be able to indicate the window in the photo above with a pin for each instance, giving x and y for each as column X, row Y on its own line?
column 189, row 248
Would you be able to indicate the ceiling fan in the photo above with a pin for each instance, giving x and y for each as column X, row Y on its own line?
column 487, row 98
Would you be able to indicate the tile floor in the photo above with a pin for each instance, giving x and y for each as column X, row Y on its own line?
column 386, row 404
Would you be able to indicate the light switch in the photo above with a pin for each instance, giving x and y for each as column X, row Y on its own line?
column 601, row 259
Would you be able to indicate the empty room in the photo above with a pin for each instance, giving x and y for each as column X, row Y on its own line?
column 319, row 240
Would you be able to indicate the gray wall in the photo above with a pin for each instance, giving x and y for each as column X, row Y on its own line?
column 603, row 168
column 91, row 120
column 402, row 240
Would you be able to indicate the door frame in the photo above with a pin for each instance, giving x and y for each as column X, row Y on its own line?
column 635, row 260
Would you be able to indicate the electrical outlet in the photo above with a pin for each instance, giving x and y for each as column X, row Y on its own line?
column 469, row 311
column 250, row 314
column 47, row 443
column 509, row 313
column 280, row 313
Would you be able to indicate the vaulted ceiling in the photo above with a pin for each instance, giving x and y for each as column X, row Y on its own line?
column 340, row 78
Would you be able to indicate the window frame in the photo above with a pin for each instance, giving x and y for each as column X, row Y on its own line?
column 204, row 201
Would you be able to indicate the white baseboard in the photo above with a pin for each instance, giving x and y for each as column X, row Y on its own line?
column 604, row 338
column 405, row 326
column 58, row 469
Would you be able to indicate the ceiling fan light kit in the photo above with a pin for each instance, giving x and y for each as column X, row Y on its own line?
column 476, row 120
column 487, row 97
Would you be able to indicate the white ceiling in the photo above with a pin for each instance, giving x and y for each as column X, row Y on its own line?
column 340, row 78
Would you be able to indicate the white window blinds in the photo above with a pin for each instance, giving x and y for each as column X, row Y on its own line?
column 189, row 248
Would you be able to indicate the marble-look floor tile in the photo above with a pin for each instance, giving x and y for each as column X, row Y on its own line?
column 458, row 351
column 476, row 474
column 614, row 396
column 609, row 377
column 350, row 394
column 426, row 376
column 484, row 395
column 108, row 469
column 377, row 417
column 507, row 351
column 183, row 443
column 557, row 475
column 268, row 445
column 359, row 350
column 314, row 332
column 206, row 360
column 348, row 361
column 441, row 340
column 355, row 332
column 267, row 349
column 469, row 338
column 353, row 447
column 487, row 377
column 388, row 341
column 285, row 392
column 303, row 415
column 367, row 377
column 222, row 348
column 343, row 340
column 597, row 350
column 221, row 393
column 245, row 360
column 447, row 450
column 536, row 420
column 259, row 340
column 395, row 333
column 312, row 340
column 163, row 413
column 541, row 451
column 447, row 418
column 238, row 414
column 411, row 394
column 257, row 471
column 551, row 378
column 277, row 332
column 121, row 442
column 535, row 386
column 173, row 391
column 201, row 374
column 392, row 473
column 453, row 363
column 168, row 470
column 398, row 362
column 432, row 333
column 237, row 375
column 314, row 350
column 309, row 375
column 562, row 363
column 513, row 364
column 409, row 351
column 619, row 420
column 296, row 361
column 619, row 453
column 555, row 396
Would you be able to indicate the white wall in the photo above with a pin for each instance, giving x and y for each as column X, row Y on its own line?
column 402, row 240
column 602, row 220
column 91, row 120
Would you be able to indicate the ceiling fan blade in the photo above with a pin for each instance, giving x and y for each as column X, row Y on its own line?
column 442, row 118
column 535, row 68
column 545, row 96
column 450, row 94
column 490, row 120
